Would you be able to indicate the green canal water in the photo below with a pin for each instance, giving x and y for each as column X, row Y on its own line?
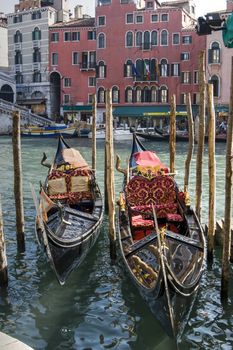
column 98, row 308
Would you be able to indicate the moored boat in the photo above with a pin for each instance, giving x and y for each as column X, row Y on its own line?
column 50, row 131
column 161, row 240
column 70, row 211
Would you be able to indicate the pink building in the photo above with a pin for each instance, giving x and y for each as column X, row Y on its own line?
column 145, row 52
column 72, row 66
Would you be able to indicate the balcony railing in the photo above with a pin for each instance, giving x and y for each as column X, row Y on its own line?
column 18, row 68
column 36, row 43
column 36, row 66
column 87, row 65
column 18, row 46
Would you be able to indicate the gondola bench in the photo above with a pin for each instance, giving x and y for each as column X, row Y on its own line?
column 73, row 186
column 160, row 191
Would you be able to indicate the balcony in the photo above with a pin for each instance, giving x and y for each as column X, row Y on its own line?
column 18, row 46
column 36, row 43
column 18, row 68
column 87, row 65
column 36, row 66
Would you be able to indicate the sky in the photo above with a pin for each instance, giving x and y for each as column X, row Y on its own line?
column 202, row 6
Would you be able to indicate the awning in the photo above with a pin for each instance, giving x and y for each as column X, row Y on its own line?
column 146, row 111
column 82, row 108
column 221, row 109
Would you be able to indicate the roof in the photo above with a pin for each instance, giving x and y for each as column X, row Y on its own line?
column 77, row 22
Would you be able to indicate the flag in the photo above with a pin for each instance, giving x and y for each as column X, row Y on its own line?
column 45, row 204
column 147, row 70
column 135, row 71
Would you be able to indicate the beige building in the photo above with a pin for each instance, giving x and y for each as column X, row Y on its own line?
column 28, row 45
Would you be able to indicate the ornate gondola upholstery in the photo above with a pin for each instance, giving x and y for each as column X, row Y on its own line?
column 78, row 185
column 141, row 193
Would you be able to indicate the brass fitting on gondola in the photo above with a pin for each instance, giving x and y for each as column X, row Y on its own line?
column 121, row 202
column 186, row 197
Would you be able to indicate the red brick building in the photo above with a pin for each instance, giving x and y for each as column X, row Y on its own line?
column 145, row 52
column 72, row 51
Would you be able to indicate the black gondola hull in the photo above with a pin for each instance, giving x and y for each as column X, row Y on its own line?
column 165, row 259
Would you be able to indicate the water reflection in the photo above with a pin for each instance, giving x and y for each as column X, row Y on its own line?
column 98, row 308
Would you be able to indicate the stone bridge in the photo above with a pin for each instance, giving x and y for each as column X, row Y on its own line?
column 6, row 109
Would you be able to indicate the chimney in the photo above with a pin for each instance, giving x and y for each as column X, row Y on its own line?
column 229, row 6
column 78, row 12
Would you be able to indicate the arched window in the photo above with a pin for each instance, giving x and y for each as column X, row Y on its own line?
column 36, row 77
column 101, row 95
column 215, row 81
column 214, row 53
column 115, row 94
column 140, row 70
column 153, row 69
column 37, row 94
column 101, row 70
column 164, row 37
column 18, row 37
column 146, row 40
column 101, row 41
column 139, row 39
column 128, row 69
column 129, row 39
column 164, row 68
column 154, row 37
column 36, row 34
column 153, row 94
column 129, row 94
column 146, row 94
column 138, row 94
column 163, row 94
column 36, row 55
column 19, row 78
column 18, row 58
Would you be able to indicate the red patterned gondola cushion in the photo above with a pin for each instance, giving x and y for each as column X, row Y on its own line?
column 174, row 217
column 160, row 191
column 138, row 221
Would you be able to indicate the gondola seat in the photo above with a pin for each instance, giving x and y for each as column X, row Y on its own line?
column 160, row 191
column 72, row 186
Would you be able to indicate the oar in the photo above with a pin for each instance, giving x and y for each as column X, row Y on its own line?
column 170, row 308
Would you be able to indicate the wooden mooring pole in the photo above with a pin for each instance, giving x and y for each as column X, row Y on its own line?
column 212, row 173
column 228, row 200
column 191, row 142
column 94, row 132
column 3, row 259
column 110, row 174
column 18, row 182
column 172, row 143
column 201, row 131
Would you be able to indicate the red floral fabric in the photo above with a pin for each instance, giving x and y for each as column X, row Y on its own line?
column 174, row 217
column 160, row 191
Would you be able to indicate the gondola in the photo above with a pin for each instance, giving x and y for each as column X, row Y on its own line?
column 151, row 136
column 70, row 211
column 162, row 243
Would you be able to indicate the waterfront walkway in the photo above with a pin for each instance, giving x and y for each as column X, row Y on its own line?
column 9, row 343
